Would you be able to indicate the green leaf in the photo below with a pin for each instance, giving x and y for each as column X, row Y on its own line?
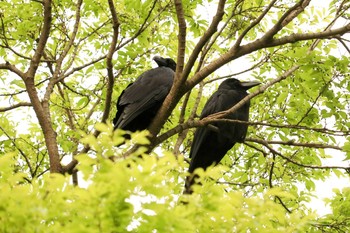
column 102, row 127
column 140, row 137
column 18, row 83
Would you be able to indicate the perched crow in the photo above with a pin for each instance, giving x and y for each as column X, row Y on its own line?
column 210, row 144
column 140, row 101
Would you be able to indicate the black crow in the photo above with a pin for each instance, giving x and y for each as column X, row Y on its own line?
column 140, row 101
column 210, row 143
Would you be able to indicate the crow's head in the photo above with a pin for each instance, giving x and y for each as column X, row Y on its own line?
column 167, row 62
column 233, row 83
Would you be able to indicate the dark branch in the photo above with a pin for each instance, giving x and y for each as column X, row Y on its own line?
column 205, row 38
column 272, row 150
column 23, row 104
column 10, row 67
column 44, row 35
column 293, row 143
column 109, row 63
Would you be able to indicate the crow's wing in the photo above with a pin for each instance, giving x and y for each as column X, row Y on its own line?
column 213, row 105
column 209, row 145
column 149, row 89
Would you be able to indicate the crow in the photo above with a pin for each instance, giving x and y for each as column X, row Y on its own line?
column 138, row 104
column 211, row 143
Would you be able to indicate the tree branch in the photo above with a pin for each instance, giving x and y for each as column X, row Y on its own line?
column 271, row 184
column 320, row 130
column 41, row 111
column 183, row 134
column 287, row 17
column 181, row 43
column 199, row 123
column 328, row 34
column 20, row 151
column 252, row 25
column 56, row 76
column 250, row 96
column 15, row 52
column 256, row 65
column 323, row 89
column 265, row 143
column 204, row 39
column 260, row 43
column 175, row 91
column 119, row 46
column 44, row 35
column 293, row 143
column 109, row 63
column 341, row 40
column 12, row 68
column 22, row 104
column 143, row 26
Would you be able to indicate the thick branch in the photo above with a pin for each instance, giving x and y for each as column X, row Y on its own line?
column 44, row 35
column 109, row 63
column 259, row 44
column 46, row 126
column 177, row 89
column 306, row 36
column 205, row 38
column 181, row 42
column 175, row 93
column 41, row 112
column 13, row 68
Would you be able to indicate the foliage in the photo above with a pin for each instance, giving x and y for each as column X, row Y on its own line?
column 139, row 195
column 64, row 63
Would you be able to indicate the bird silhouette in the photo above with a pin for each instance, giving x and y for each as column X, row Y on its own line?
column 211, row 143
column 140, row 101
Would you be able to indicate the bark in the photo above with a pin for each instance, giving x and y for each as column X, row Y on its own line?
column 41, row 109
column 46, row 126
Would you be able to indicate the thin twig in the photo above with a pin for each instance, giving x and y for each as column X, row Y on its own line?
column 22, row 104
column 272, row 150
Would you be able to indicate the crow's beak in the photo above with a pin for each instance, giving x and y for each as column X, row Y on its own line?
column 249, row 84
